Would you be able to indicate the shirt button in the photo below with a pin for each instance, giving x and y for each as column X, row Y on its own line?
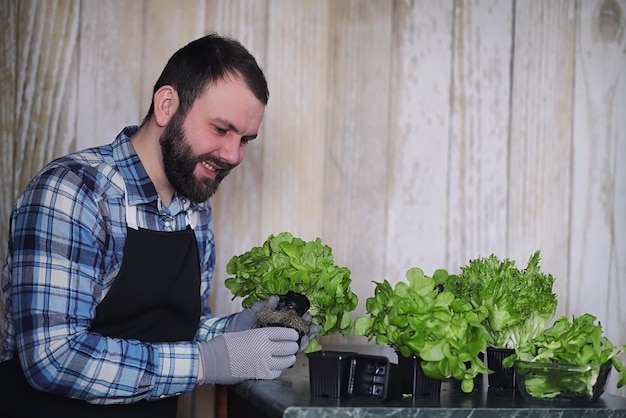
column 167, row 224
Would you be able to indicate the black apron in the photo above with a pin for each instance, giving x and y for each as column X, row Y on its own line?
column 155, row 298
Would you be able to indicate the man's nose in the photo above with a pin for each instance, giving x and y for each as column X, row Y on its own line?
column 230, row 149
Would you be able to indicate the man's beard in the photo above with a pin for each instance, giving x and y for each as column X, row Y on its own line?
column 179, row 164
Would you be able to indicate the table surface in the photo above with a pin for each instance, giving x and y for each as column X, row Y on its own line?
column 289, row 396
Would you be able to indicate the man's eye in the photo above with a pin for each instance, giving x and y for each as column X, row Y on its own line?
column 221, row 131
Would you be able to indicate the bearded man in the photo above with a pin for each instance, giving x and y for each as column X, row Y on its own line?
column 111, row 256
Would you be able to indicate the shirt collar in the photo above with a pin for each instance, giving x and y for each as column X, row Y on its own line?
column 138, row 185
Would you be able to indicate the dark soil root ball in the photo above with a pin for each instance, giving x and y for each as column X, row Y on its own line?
column 288, row 313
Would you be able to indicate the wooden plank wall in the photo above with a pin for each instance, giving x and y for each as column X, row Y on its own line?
column 403, row 133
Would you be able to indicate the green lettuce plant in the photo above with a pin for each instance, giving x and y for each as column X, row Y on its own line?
column 519, row 302
column 286, row 263
column 579, row 343
column 417, row 318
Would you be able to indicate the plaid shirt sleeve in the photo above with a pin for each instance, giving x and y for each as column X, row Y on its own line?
column 209, row 326
column 59, row 261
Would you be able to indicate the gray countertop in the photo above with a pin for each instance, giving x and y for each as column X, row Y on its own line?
column 289, row 396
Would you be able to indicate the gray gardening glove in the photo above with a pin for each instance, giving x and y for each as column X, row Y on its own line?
column 246, row 320
column 313, row 330
column 261, row 353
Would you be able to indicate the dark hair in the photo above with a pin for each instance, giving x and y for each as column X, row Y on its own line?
column 205, row 61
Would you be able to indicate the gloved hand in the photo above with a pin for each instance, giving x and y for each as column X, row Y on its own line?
column 261, row 353
column 313, row 330
column 245, row 319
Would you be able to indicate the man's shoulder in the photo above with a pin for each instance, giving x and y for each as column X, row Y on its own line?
column 101, row 160
column 93, row 170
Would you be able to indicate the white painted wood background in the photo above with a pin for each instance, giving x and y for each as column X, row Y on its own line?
column 402, row 133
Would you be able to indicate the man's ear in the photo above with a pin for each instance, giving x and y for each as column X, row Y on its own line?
column 165, row 104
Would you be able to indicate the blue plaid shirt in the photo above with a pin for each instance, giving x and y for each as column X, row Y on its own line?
column 66, row 244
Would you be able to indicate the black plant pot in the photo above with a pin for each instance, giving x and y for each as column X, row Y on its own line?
column 288, row 313
column 292, row 301
column 501, row 377
column 329, row 373
column 413, row 380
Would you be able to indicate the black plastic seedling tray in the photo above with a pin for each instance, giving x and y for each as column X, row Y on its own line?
column 339, row 373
